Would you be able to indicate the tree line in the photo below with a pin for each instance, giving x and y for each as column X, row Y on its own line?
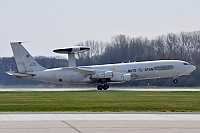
column 121, row 48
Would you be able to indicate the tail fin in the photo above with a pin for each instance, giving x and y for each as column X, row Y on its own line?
column 25, row 62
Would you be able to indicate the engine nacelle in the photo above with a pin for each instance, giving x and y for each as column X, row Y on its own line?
column 113, row 76
column 100, row 75
column 121, row 77
column 127, row 77
column 108, row 74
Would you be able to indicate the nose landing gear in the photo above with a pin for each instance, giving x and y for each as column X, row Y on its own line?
column 102, row 87
column 175, row 81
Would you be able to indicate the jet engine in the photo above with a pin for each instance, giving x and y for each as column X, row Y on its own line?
column 127, row 77
column 121, row 77
column 113, row 76
column 106, row 74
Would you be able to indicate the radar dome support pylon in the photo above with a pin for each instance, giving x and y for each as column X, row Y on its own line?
column 71, row 51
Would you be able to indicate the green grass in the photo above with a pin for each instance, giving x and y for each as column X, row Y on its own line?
column 100, row 101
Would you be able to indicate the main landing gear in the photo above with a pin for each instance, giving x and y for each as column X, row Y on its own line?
column 102, row 87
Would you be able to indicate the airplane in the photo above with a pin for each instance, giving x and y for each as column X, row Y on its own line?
column 29, row 68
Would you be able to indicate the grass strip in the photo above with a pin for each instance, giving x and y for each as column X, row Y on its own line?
column 100, row 101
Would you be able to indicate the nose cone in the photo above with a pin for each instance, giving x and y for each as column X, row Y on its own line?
column 193, row 68
column 190, row 69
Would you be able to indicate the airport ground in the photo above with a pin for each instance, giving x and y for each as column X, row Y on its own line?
column 84, row 88
column 100, row 122
column 95, row 101
column 87, row 122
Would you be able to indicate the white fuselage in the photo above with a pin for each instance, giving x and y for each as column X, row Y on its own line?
column 136, row 70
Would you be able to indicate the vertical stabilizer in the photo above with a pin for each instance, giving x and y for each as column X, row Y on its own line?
column 25, row 62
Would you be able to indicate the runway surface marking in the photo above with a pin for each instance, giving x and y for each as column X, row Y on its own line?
column 72, row 126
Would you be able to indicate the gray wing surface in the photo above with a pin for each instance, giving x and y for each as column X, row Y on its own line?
column 83, row 71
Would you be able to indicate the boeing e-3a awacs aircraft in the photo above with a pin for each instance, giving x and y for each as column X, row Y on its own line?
column 29, row 68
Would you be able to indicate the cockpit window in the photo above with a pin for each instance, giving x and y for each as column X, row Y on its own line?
column 186, row 63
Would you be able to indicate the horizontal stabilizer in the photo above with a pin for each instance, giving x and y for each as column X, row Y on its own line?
column 18, row 74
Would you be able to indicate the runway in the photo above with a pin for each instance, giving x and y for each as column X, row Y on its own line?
column 165, row 89
column 103, row 122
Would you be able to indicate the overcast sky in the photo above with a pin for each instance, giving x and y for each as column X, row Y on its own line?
column 51, row 24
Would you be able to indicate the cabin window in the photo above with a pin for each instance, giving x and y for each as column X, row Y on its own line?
column 167, row 67
column 60, row 80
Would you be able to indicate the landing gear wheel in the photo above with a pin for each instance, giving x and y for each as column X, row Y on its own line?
column 99, row 87
column 105, row 87
column 175, row 81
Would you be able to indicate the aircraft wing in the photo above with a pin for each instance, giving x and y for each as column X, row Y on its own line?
column 18, row 74
column 84, row 71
